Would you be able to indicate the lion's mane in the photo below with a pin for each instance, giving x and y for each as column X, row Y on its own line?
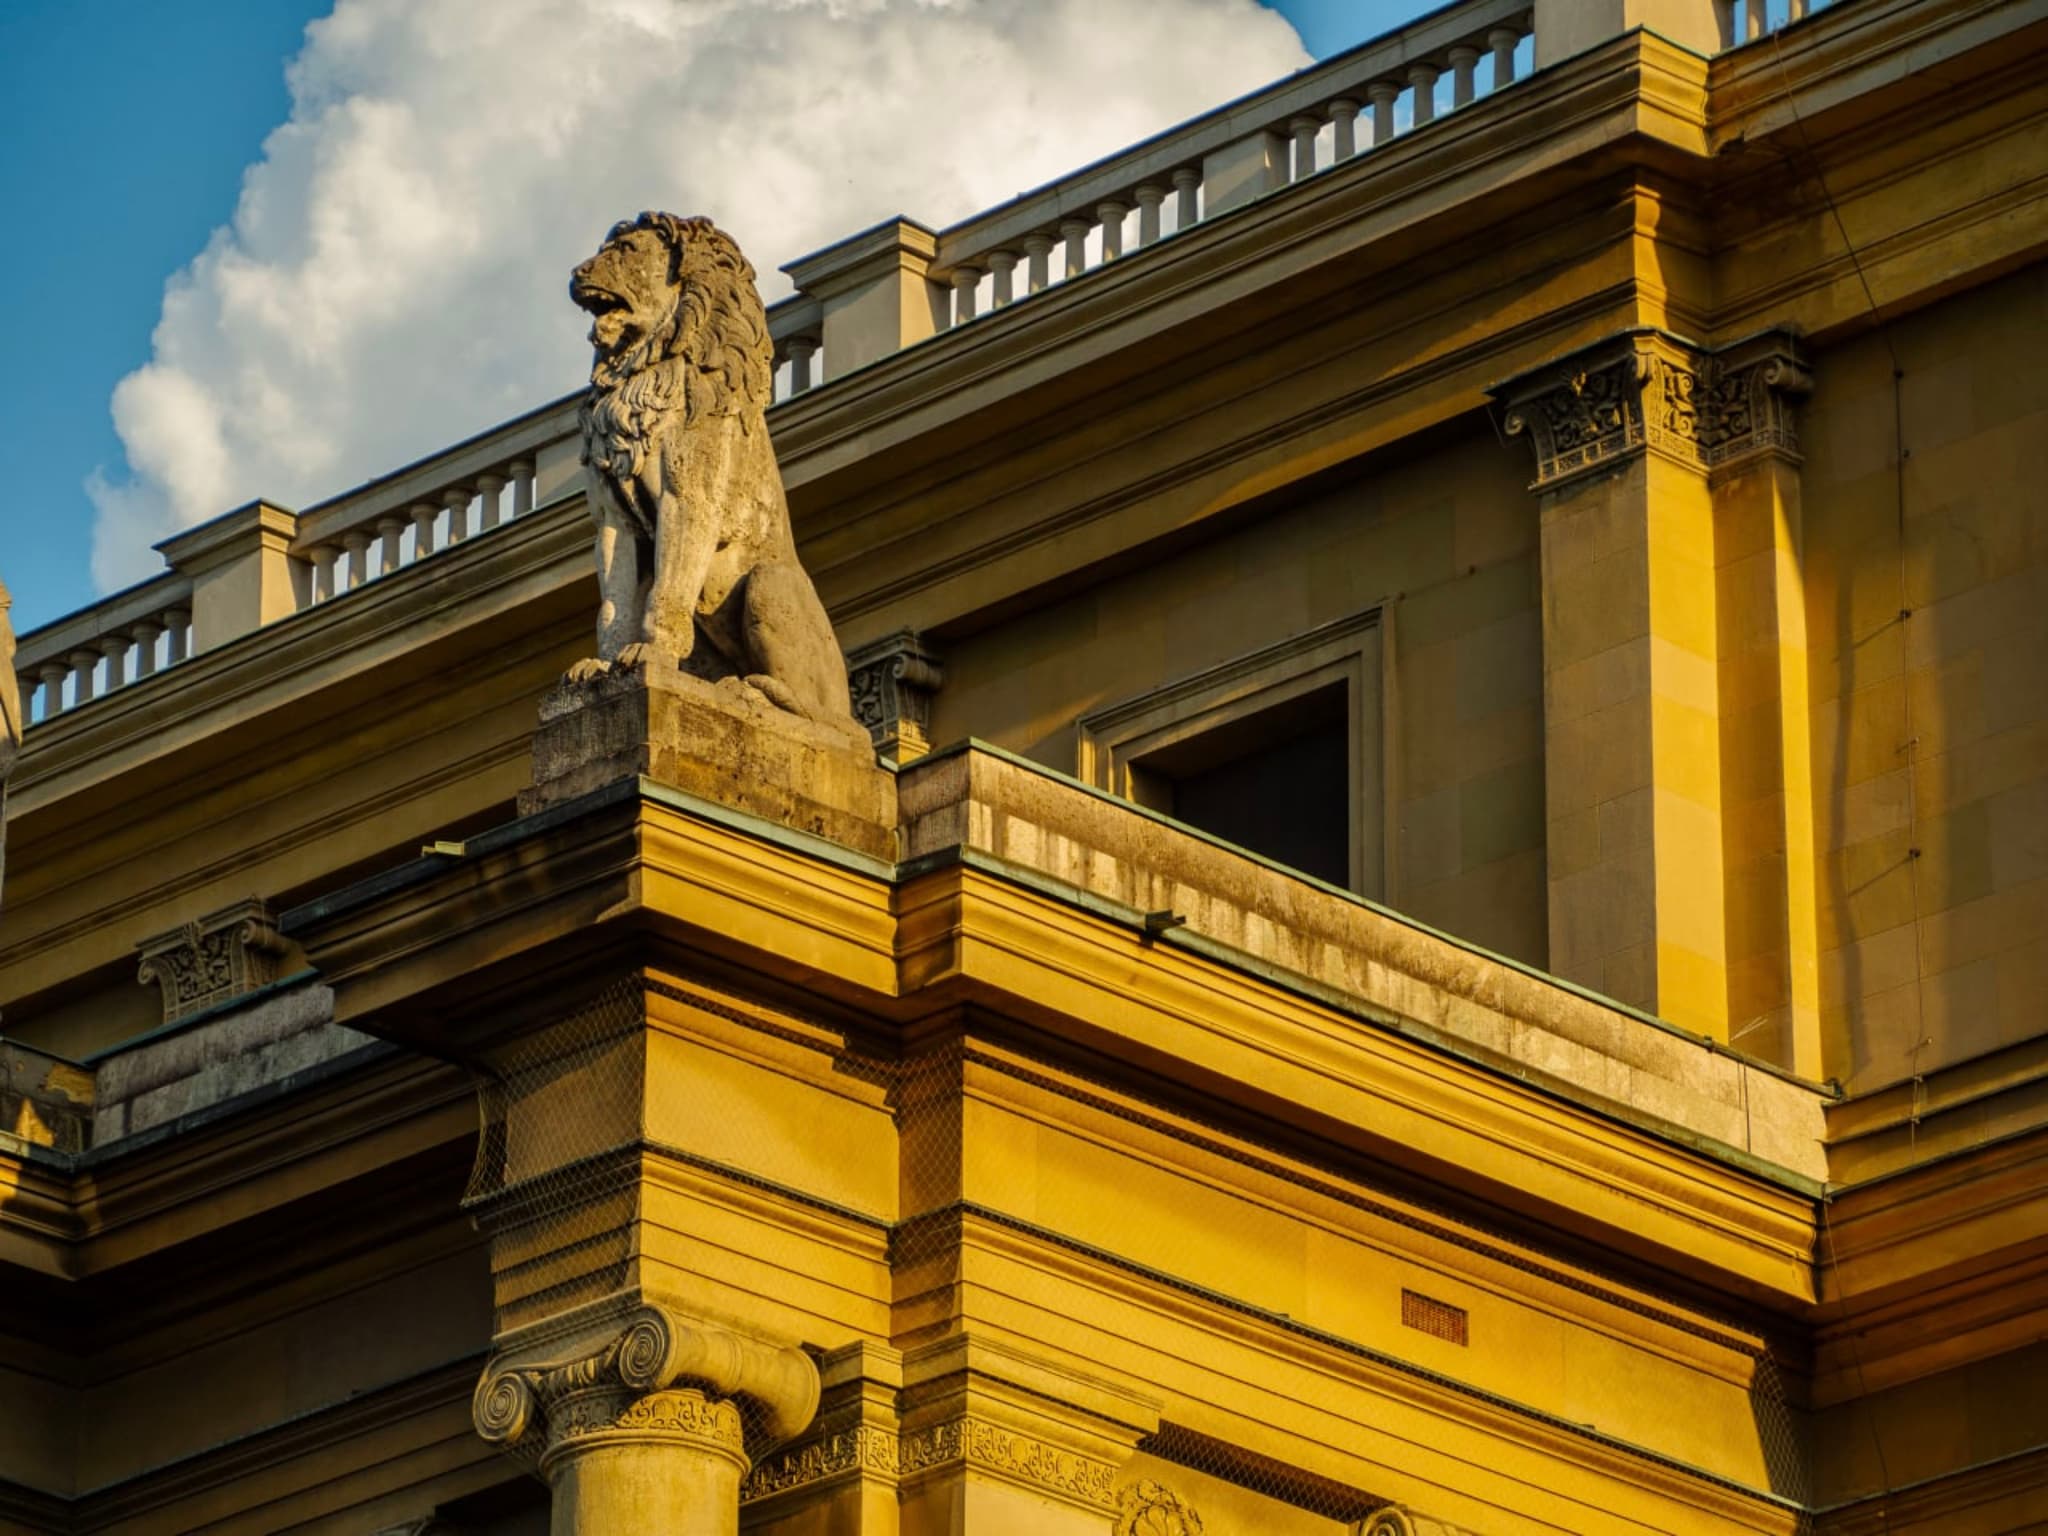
column 710, row 354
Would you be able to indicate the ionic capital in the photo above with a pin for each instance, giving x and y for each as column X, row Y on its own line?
column 650, row 1374
column 1649, row 391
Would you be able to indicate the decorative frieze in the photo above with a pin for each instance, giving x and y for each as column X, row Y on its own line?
column 1650, row 390
column 983, row 1446
column 892, row 682
column 866, row 1450
column 1153, row 1509
column 213, row 959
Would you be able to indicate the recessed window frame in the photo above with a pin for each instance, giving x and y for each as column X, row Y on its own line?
column 1115, row 741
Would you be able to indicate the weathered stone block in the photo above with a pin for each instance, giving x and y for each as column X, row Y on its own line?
column 721, row 741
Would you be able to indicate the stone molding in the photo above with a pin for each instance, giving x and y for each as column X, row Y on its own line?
column 651, row 1372
column 1649, row 390
column 213, row 959
column 1153, row 1509
column 965, row 1442
column 893, row 681
column 865, row 1449
column 983, row 1446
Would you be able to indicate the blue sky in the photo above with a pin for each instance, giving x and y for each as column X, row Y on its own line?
column 125, row 128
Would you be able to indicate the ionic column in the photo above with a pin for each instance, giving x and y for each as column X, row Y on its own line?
column 641, row 1428
column 1344, row 113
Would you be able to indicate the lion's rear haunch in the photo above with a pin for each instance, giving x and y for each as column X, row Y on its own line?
column 697, row 565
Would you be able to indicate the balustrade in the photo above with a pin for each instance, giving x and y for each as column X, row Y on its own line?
column 130, row 636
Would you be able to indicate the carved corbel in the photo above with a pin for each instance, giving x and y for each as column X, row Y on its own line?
column 723, row 1392
column 213, row 959
column 892, row 683
column 1582, row 414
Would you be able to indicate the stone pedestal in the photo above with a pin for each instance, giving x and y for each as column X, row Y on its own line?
column 720, row 741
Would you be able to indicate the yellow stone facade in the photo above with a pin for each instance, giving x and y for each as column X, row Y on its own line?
column 1633, row 469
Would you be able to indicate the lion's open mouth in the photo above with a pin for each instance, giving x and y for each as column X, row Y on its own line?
column 595, row 297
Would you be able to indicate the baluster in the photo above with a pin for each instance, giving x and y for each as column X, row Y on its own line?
column 423, row 515
column 1304, row 131
column 964, row 281
column 390, row 529
column 53, row 674
column 1187, row 187
column 115, row 649
column 456, row 500
column 1752, row 20
column 1075, row 233
column 1002, row 290
column 322, row 556
column 1424, row 78
column 487, row 489
column 1464, row 74
column 27, row 685
column 178, row 624
column 1382, row 94
column 1344, row 113
column 357, row 543
column 1503, row 41
column 1038, row 256
column 1112, row 216
column 1797, row 11
column 521, row 471
column 147, row 633
column 1149, row 200
column 83, row 666
column 801, row 350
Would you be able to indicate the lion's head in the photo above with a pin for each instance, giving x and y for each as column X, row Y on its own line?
column 663, row 288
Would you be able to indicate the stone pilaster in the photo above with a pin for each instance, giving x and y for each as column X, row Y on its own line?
column 892, row 683
column 1633, row 438
column 646, row 1421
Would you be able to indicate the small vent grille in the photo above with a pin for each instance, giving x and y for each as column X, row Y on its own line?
column 1438, row 1319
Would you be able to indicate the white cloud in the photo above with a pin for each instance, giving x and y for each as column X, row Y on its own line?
column 395, row 274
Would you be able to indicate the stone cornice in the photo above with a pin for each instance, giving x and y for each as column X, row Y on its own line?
column 1649, row 391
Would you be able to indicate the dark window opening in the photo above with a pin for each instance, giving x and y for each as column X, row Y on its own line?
column 1277, row 783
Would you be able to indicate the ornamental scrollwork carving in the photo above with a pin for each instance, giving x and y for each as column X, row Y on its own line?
column 213, row 959
column 1650, row 390
column 992, row 1448
column 1153, row 1509
column 867, row 1449
column 653, row 1371
column 892, row 683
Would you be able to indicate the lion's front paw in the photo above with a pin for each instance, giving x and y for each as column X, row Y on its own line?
column 642, row 653
column 588, row 670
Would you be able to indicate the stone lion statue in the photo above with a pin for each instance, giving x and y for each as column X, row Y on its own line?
column 697, row 567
